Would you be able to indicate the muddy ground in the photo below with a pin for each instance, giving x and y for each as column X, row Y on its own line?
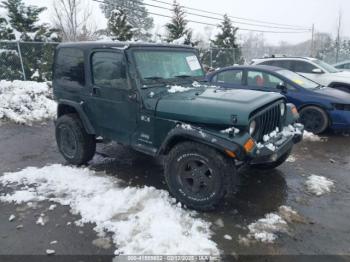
column 324, row 229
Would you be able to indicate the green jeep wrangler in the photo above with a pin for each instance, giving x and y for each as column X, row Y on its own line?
column 154, row 98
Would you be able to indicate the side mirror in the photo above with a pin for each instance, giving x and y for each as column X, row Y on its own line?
column 317, row 71
column 282, row 87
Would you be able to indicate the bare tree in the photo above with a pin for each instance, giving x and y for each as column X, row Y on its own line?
column 73, row 18
column 338, row 40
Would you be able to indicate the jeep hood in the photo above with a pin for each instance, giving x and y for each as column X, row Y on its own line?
column 213, row 106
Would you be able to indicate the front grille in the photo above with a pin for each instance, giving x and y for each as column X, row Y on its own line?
column 267, row 122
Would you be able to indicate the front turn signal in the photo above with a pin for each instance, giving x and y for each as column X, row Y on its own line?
column 249, row 145
column 230, row 153
column 295, row 110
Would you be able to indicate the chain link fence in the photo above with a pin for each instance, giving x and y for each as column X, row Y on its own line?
column 220, row 57
column 26, row 60
column 33, row 60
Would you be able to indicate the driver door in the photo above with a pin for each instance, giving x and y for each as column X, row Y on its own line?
column 112, row 102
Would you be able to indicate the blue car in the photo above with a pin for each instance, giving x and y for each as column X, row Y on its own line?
column 320, row 107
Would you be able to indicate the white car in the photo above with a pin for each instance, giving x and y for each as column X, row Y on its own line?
column 312, row 68
column 343, row 66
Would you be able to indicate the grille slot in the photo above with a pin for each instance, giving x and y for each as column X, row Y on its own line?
column 267, row 122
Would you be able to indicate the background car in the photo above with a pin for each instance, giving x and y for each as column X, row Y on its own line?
column 319, row 107
column 343, row 66
column 312, row 68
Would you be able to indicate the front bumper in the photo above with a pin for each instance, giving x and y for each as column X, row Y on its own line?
column 340, row 120
column 277, row 144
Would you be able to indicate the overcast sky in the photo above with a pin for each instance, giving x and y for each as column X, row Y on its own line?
column 303, row 13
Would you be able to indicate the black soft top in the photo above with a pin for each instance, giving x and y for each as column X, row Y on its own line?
column 124, row 45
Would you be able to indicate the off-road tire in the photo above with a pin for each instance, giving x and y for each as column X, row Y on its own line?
column 273, row 165
column 74, row 143
column 314, row 118
column 221, row 175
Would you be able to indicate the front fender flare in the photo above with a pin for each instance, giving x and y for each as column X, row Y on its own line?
column 179, row 133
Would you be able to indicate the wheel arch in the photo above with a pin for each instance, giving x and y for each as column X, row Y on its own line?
column 179, row 135
column 324, row 108
column 70, row 107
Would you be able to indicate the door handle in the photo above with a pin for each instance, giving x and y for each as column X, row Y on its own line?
column 96, row 91
column 132, row 97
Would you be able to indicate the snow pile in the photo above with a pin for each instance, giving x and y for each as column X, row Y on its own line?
column 266, row 229
column 288, row 131
column 179, row 41
column 178, row 89
column 311, row 137
column 143, row 220
column 319, row 185
column 186, row 127
column 25, row 102
column 292, row 130
column 291, row 159
column 196, row 84
column 230, row 130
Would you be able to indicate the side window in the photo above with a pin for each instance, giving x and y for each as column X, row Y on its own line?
column 286, row 64
column 255, row 78
column 230, row 76
column 263, row 80
column 269, row 63
column 346, row 66
column 303, row 67
column 69, row 66
column 108, row 70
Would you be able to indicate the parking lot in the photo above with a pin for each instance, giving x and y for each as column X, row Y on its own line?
column 321, row 226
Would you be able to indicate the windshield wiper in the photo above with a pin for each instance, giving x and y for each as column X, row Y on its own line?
column 154, row 78
column 183, row 76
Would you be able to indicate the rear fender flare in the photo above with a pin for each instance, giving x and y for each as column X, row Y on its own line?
column 82, row 115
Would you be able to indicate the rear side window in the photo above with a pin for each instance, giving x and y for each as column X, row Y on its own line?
column 230, row 76
column 269, row 63
column 303, row 67
column 286, row 64
column 346, row 66
column 108, row 70
column 69, row 66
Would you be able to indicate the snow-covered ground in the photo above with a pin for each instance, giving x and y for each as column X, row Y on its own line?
column 143, row 220
column 25, row 102
column 319, row 185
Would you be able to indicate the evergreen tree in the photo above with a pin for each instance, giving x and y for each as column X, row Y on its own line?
column 9, row 59
column 226, row 39
column 22, row 23
column 177, row 28
column 136, row 15
column 118, row 26
column 6, row 32
column 23, row 18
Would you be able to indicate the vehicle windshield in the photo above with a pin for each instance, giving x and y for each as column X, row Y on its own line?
column 298, row 79
column 158, row 64
column 326, row 67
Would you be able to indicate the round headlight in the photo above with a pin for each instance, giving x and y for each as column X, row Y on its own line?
column 252, row 127
column 283, row 108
